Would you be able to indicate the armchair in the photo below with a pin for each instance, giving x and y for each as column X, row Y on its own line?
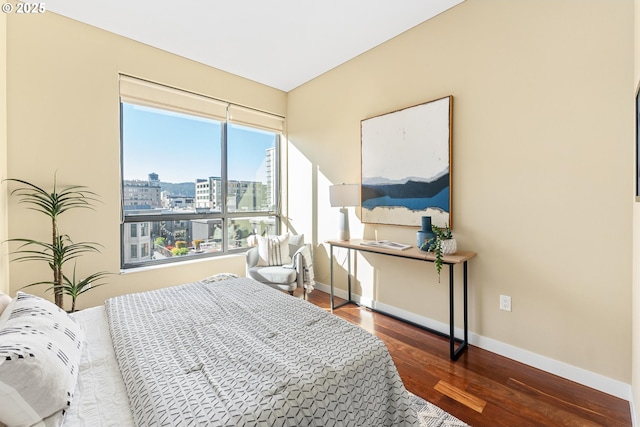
column 287, row 274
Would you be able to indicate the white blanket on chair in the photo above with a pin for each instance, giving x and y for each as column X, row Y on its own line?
column 304, row 255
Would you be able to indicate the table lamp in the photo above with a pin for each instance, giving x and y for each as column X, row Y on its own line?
column 343, row 195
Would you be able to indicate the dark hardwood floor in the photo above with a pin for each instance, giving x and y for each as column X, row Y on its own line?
column 483, row 388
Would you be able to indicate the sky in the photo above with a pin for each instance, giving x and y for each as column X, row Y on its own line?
column 181, row 148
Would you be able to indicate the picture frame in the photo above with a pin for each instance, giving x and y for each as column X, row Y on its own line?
column 406, row 165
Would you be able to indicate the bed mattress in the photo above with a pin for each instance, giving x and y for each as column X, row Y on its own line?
column 231, row 353
column 100, row 398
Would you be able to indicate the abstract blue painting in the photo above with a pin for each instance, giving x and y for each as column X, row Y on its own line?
column 406, row 165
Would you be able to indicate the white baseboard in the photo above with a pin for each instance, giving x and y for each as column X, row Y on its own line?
column 634, row 421
column 561, row 369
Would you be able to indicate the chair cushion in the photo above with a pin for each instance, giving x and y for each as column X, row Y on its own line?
column 274, row 275
column 273, row 250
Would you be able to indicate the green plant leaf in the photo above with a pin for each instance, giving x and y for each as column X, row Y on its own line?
column 61, row 248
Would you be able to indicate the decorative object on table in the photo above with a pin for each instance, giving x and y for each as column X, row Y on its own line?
column 61, row 249
column 387, row 244
column 442, row 244
column 425, row 234
column 342, row 196
column 406, row 165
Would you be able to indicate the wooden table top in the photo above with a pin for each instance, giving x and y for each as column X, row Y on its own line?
column 413, row 252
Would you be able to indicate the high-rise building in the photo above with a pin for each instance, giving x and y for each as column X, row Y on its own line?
column 209, row 193
column 140, row 194
column 271, row 169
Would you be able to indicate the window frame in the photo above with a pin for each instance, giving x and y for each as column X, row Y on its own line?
column 224, row 215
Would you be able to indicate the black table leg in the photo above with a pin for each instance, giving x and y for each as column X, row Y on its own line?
column 455, row 353
column 333, row 305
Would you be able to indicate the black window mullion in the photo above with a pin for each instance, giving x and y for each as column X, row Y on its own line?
column 276, row 182
column 224, row 185
column 222, row 213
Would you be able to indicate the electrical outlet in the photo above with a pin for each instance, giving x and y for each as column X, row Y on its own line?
column 505, row 302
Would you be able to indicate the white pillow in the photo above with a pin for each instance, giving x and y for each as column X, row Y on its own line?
column 295, row 242
column 40, row 348
column 4, row 301
column 219, row 278
column 252, row 240
column 273, row 250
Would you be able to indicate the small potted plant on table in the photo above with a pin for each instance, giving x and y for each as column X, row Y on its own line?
column 442, row 244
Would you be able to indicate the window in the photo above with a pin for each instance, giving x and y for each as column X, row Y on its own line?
column 194, row 182
column 144, row 250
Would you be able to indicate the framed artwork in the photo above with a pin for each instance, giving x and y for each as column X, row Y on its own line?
column 406, row 165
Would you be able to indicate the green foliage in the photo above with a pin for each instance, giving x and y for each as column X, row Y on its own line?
column 435, row 244
column 179, row 251
column 74, row 287
column 160, row 241
column 442, row 233
column 61, row 249
column 181, row 244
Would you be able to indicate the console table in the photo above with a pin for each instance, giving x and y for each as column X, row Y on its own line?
column 459, row 258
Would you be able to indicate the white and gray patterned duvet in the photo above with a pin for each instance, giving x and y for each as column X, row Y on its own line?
column 238, row 353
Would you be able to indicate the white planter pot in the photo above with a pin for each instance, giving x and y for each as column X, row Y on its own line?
column 449, row 247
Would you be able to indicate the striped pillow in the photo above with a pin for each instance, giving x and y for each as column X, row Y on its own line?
column 4, row 301
column 40, row 348
column 273, row 250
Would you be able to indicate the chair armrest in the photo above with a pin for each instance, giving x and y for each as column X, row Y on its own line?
column 252, row 257
column 298, row 262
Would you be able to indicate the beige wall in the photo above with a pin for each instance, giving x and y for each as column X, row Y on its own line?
column 63, row 114
column 541, row 160
column 635, row 360
column 541, row 169
column 4, row 263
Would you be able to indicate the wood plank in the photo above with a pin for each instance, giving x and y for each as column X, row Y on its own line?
column 461, row 396
column 514, row 394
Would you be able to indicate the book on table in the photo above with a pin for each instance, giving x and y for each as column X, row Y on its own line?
column 387, row 244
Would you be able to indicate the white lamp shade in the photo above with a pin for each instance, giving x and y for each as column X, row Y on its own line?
column 344, row 195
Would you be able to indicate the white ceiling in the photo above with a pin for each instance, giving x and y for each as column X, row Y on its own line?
column 280, row 43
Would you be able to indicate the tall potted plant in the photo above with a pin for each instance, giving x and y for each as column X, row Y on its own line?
column 61, row 249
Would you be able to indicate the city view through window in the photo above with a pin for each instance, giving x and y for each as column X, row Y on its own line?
column 173, row 168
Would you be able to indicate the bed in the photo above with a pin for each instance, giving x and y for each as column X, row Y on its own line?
column 216, row 352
